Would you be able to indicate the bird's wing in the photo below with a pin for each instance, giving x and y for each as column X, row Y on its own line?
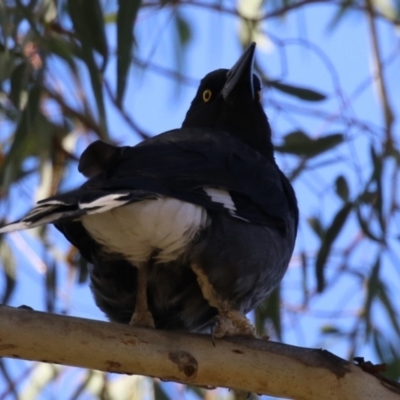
column 203, row 167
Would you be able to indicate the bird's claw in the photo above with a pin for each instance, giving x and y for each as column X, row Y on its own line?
column 233, row 324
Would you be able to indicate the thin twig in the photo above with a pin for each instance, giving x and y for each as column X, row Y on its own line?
column 386, row 107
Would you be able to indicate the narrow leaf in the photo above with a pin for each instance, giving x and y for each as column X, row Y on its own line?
column 126, row 17
column 9, row 270
column 196, row 390
column 269, row 309
column 341, row 11
column 184, row 30
column 299, row 143
column 18, row 83
column 387, row 303
column 316, row 226
column 330, row 235
column 63, row 48
column 159, row 392
column 296, row 91
column 373, row 285
column 10, row 168
column 377, row 160
column 87, row 17
column 51, row 287
column 79, row 11
column 331, row 330
column 342, row 188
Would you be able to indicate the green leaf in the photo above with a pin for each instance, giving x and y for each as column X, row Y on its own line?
column 126, row 17
column 62, row 48
column 316, row 226
column 299, row 143
column 83, row 270
column 110, row 18
column 270, row 309
column 7, row 62
column 387, row 303
column 18, row 83
column 377, row 160
column 342, row 188
column 81, row 13
column 87, row 18
column 393, row 366
column 184, row 34
column 299, row 92
column 159, row 392
column 9, row 270
column 304, row 276
column 51, row 287
column 184, row 30
column 331, row 330
column 196, row 390
column 11, row 165
column 330, row 236
column 341, row 11
column 373, row 287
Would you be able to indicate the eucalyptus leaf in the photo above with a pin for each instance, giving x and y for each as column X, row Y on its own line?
column 316, row 226
column 159, row 392
column 87, row 17
column 331, row 330
column 126, row 17
column 330, row 236
column 62, row 48
column 299, row 143
column 269, row 309
column 11, row 166
column 184, row 29
column 373, row 287
column 388, row 305
column 18, row 83
column 80, row 12
column 9, row 272
column 296, row 91
column 342, row 188
column 343, row 10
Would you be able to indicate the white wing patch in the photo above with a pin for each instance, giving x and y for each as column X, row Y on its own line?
column 104, row 203
column 160, row 228
column 48, row 211
column 221, row 196
column 25, row 222
column 16, row 226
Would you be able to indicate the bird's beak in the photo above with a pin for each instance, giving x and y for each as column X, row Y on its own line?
column 241, row 72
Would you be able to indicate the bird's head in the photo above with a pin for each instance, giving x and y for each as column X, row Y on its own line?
column 229, row 100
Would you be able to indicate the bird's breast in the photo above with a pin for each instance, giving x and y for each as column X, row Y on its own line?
column 161, row 227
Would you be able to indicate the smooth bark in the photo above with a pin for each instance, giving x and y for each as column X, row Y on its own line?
column 251, row 365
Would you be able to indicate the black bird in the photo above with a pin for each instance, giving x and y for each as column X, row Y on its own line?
column 193, row 226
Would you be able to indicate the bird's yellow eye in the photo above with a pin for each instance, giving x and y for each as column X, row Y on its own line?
column 207, row 95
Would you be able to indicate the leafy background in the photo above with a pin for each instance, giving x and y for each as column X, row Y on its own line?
column 75, row 71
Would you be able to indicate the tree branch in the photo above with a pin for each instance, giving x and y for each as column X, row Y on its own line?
column 250, row 365
column 386, row 108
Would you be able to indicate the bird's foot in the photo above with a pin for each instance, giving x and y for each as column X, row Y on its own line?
column 233, row 323
column 142, row 319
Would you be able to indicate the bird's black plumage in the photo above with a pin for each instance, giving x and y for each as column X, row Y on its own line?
column 241, row 219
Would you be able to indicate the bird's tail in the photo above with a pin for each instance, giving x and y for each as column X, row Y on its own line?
column 72, row 206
